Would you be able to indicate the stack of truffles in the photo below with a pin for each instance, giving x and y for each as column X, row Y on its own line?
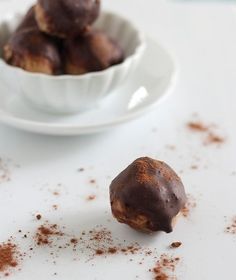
column 56, row 37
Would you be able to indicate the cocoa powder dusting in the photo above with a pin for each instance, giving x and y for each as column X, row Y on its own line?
column 74, row 241
column 143, row 170
column 190, row 204
column 56, row 193
column 5, row 174
column 55, row 207
column 197, row 126
column 91, row 197
column 8, row 257
column 232, row 227
column 99, row 252
column 214, row 138
column 112, row 250
column 45, row 233
column 210, row 136
column 99, row 241
column 194, row 167
column 165, row 268
column 171, row 147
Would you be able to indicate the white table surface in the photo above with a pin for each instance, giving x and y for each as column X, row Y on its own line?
column 202, row 38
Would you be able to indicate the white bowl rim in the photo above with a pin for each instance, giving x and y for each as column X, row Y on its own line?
column 137, row 52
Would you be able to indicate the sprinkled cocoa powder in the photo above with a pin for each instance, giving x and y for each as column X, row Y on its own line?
column 171, row 147
column 45, row 233
column 99, row 252
column 90, row 244
column 213, row 138
column 165, row 268
column 145, row 169
column 55, row 206
column 74, row 241
column 4, row 172
column 99, row 241
column 7, row 165
column 9, row 255
column 197, row 126
column 194, row 167
column 210, row 136
column 142, row 168
column 191, row 203
column 232, row 227
column 112, row 250
column 56, row 193
column 91, row 197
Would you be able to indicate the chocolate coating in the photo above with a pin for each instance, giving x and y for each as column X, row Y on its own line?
column 33, row 51
column 28, row 21
column 94, row 51
column 147, row 196
column 66, row 18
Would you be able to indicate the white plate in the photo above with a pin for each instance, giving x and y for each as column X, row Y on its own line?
column 139, row 95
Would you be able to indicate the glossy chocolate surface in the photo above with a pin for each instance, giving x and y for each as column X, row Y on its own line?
column 94, row 51
column 28, row 21
column 69, row 17
column 32, row 44
column 149, row 188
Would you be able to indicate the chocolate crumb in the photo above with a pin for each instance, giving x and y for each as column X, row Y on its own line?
column 38, row 217
column 175, row 245
column 74, row 241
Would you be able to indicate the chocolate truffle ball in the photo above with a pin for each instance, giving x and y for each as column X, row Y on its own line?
column 33, row 51
column 147, row 196
column 28, row 21
column 66, row 18
column 93, row 52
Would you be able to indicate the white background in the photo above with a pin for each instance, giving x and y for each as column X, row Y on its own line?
column 202, row 38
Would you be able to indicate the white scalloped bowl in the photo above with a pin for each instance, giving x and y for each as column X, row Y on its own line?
column 68, row 93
